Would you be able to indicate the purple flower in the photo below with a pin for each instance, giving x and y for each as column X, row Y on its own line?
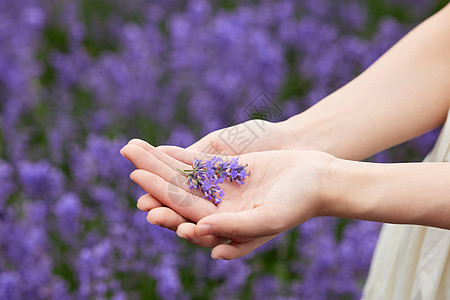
column 207, row 184
column 7, row 183
column 209, row 175
column 234, row 163
column 68, row 210
column 181, row 136
column 41, row 180
column 10, row 285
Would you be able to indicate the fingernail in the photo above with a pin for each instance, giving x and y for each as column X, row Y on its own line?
column 154, row 222
column 204, row 229
column 183, row 236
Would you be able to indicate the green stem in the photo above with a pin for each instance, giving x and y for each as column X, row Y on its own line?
column 187, row 174
column 183, row 172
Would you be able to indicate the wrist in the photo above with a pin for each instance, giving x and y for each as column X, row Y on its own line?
column 316, row 170
column 343, row 191
column 295, row 132
column 308, row 131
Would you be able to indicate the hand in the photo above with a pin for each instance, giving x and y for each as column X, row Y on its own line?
column 263, row 135
column 284, row 190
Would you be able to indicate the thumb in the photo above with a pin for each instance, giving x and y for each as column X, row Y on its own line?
column 207, row 144
column 179, row 153
column 186, row 156
column 261, row 221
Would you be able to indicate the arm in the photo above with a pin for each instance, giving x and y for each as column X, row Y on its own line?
column 289, row 187
column 408, row 193
column 401, row 96
column 392, row 193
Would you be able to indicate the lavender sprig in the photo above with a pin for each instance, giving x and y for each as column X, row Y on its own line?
column 207, row 176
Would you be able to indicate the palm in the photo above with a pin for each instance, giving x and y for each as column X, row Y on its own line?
column 266, row 171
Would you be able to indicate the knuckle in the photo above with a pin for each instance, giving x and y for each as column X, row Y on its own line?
column 234, row 231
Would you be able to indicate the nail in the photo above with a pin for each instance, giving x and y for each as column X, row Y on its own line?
column 204, row 229
column 183, row 236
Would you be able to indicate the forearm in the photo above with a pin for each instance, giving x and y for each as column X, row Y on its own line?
column 402, row 95
column 409, row 193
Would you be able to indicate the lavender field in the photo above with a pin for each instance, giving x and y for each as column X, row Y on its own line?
column 79, row 78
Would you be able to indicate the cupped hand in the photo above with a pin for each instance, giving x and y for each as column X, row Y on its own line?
column 284, row 190
column 250, row 136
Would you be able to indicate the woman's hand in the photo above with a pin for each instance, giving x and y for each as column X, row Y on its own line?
column 284, row 190
column 250, row 136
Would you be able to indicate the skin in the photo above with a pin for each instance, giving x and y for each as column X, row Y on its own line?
column 407, row 89
column 403, row 193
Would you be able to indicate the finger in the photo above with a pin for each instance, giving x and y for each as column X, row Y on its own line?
column 236, row 250
column 212, row 143
column 187, row 231
column 141, row 143
column 146, row 161
column 205, row 145
column 186, row 155
column 147, row 202
column 167, row 159
column 260, row 221
column 165, row 217
column 184, row 203
column 176, row 153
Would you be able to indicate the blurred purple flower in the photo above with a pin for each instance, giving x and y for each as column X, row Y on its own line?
column 10, row 285
column 266, row 287
column 68, row 211
column 41, row 180
column 7, row 183
column 181, row 136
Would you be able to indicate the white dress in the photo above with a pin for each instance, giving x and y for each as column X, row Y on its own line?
column 413, row 262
